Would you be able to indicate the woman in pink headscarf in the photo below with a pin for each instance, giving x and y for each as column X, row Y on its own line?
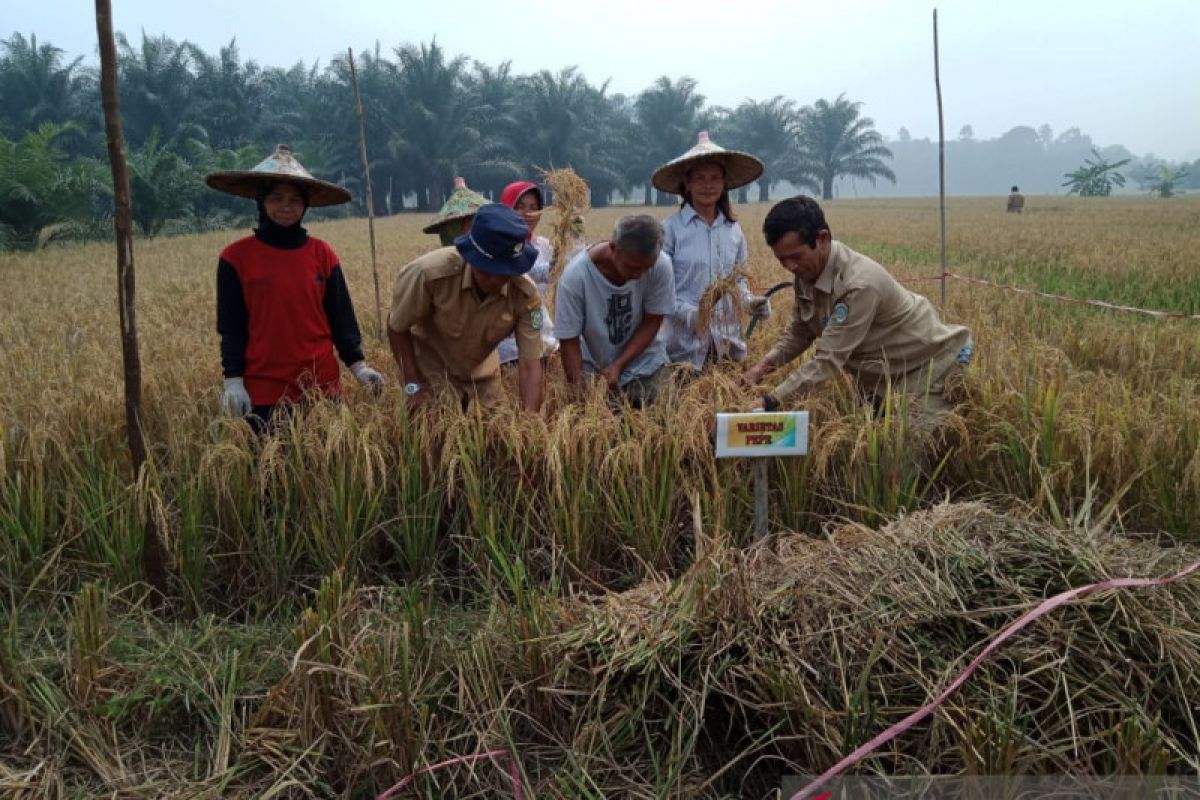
column 526, row 199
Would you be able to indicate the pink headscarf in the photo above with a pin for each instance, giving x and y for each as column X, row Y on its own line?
column 512, row 193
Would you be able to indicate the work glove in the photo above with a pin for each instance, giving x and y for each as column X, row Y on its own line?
column 758, row 307
column 236, row 400
column 688, row 317
column 366, row 376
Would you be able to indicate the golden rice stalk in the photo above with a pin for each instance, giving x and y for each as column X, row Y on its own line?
column 724, row 286
column 570, row 193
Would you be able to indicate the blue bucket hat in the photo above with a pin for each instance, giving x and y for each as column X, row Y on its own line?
column 497, row 242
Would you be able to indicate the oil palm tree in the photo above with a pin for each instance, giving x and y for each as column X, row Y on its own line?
column 832, row 141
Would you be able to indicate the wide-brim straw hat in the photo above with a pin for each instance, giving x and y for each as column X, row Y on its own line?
column 461, row 204
column 740, row 168
column 279, row 166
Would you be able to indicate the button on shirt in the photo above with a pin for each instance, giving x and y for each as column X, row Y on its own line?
column 540, row 275
column 700, row 254
column 865, row 322
column 435, row 300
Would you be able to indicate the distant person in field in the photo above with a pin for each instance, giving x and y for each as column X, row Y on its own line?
column 865, row 325
column 1016, row 201
column 526, row 199
column 283, row 306
column 705, row 244
column 452, row 307
column 611, row 301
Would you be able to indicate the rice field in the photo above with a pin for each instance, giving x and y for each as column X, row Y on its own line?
column 368, row 594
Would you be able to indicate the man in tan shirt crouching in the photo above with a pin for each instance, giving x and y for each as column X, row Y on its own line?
column 450, row 308
column 864, row 323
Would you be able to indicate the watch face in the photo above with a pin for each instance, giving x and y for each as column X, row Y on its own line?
column 412, row 388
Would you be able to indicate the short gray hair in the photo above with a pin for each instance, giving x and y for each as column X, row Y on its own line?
column 638, row 233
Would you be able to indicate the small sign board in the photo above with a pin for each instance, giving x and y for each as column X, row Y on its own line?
column 775, row 433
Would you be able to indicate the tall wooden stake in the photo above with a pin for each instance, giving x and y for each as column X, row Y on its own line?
column 937, row 82
column 153, row 559
column 362, row 151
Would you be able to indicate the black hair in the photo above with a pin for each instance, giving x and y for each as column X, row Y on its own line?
column 801, row 214
column 1015, row 189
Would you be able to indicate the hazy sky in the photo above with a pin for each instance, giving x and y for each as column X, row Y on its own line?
column 1125, row 73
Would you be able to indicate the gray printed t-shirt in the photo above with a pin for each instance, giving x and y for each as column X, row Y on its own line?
column 605, row 316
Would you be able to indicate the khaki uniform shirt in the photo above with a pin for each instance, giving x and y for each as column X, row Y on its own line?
column 865, row 323
column 456, row 327
column 1016, row 202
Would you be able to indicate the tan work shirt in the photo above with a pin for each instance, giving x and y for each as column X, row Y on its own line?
column 865, row 323
column 1016, row 202
column 456, row 326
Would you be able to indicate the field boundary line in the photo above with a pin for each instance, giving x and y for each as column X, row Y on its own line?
column 1051, row 296
column 1060, row 599
column 513, row 773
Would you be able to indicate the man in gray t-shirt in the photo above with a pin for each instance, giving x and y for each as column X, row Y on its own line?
column 610, row 303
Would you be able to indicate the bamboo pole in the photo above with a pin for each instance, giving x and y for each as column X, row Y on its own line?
column 937, row 82
column 362, row 151
column 153, row 559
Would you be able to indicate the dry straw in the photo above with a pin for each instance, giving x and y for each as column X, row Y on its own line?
column 570, row 200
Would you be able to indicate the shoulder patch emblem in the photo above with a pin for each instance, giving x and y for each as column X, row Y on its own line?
column 841, row 313
column 535, row 318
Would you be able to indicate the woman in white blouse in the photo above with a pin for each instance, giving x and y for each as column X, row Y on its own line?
column 705, row 243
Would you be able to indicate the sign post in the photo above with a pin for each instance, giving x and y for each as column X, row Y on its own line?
column 760, row 435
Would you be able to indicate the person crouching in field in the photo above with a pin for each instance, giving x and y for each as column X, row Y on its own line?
column 706, row 245
column 611, row 301
column 862, row 321
column 450, row 308
column 282, row 301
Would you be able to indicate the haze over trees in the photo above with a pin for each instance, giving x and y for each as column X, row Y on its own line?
column 431, row 116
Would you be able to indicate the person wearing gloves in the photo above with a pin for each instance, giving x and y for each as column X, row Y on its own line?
column 450, row 308
column 706, row 244
column 282, row 301
column 526, row 199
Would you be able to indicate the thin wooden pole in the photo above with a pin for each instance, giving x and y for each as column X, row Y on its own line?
column 153, row 559
column 362, row 151
column 760, row 498
column 937, row 82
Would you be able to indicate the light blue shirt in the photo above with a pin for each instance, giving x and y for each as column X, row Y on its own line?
column 604, row 316
column 702, row 253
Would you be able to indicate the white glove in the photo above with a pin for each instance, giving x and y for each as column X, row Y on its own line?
column 236, row 400
column 689, row 318
column 365, row 375
column 758, row 307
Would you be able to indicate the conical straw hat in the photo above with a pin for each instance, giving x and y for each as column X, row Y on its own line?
column 279, row 166
column 740, row 168
column 461, row 203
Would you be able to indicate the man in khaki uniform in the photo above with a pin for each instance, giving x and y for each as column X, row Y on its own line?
column 450, row 308
column 865, row 324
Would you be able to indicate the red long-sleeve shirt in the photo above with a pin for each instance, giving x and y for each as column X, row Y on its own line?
column 280, row 312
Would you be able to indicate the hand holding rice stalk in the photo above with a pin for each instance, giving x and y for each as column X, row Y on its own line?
column 570, row 199
column 728, row 285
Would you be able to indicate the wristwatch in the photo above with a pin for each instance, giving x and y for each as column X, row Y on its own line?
column 412, row 388
column 769, row 403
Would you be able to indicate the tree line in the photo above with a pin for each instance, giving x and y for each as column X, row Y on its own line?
column 429, row 116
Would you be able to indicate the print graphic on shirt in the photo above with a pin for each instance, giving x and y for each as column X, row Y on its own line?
column 620, row 317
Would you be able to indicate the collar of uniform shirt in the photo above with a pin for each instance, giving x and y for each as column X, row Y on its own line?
column 824, row 281
column 468, row 281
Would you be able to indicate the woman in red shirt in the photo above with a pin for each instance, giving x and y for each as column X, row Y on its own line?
column 283, row 306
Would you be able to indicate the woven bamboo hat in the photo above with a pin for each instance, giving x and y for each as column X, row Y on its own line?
column 460, row 205
column 279, row 166
column 740, row 168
